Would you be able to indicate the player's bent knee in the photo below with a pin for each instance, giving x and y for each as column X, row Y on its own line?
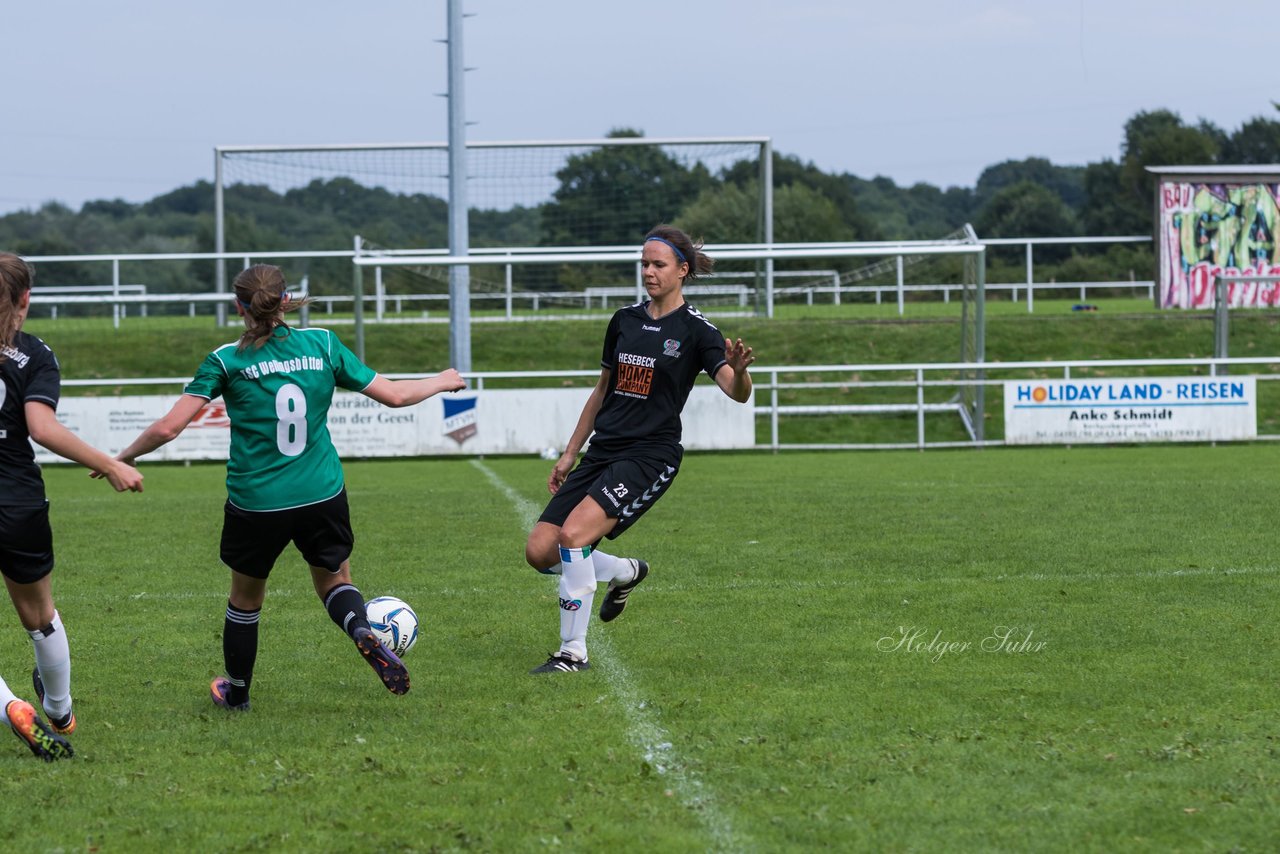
column 541, row 558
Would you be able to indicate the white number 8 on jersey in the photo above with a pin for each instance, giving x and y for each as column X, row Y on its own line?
column 291, row 420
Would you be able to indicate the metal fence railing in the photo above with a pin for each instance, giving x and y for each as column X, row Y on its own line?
column 111, row 289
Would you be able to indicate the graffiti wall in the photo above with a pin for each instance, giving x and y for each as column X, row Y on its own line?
column 1208, row 229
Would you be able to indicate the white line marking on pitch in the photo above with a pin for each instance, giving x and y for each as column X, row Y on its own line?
column 644, row 731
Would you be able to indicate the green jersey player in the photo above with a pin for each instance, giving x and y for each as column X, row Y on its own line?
column 284, row 478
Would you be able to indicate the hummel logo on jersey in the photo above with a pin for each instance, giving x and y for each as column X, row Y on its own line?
column 647, row 328
column 571, row 604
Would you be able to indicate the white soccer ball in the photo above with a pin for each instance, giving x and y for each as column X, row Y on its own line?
column 394, row 622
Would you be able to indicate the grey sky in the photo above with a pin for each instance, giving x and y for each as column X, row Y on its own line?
column 127, row 99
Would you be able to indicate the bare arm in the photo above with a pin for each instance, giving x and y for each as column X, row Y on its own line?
column 44, row 427
column 165, row 428
column 582, row 432
column 398, row 393
column 732, row 377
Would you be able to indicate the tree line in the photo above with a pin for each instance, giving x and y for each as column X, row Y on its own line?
column 1017, row 198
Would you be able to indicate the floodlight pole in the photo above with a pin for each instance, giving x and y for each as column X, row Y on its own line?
column 459, row 245
column 219, row 237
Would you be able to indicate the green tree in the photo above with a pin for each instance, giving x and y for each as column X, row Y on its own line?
column 1257, row 141
column 1106, row 209
column 1066, row 182
column 1026, row 209
column 791, row 171
column 614, row 194
column 919, row 212
column 730, row 213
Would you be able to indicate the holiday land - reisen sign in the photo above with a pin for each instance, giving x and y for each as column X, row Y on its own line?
column 1163, row 409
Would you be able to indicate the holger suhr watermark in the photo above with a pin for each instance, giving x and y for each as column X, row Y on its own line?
column 1006, row 640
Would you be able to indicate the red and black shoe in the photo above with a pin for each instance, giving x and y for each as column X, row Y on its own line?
column 35, row 733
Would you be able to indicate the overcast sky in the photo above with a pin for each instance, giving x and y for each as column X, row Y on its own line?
column 127, row 99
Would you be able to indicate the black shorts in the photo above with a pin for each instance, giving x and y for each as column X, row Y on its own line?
column 625, row 488
column 26, row 543
column 252, row 540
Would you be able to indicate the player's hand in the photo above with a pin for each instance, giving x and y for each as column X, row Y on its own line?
column 738, row 355
column 450, row 380
column 122, row 476
column 560, row 471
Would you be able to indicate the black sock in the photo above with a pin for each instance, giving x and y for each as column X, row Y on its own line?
column 240, row 650
column 346, row 608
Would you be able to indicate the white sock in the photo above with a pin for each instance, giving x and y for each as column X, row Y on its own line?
column 6, row 697
column 577, row 594
column 53, row 658
column 610, row 568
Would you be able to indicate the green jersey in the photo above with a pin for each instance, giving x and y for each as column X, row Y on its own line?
column 277, row 398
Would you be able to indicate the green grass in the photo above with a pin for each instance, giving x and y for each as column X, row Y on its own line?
column 746, row 700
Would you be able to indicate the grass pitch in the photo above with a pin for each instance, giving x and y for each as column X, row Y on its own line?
column 1015, row 649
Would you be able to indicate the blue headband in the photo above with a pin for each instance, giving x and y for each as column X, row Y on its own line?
column 674, row 248
column 284, row 298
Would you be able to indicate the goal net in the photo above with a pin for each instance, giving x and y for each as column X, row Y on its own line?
column 539, row 193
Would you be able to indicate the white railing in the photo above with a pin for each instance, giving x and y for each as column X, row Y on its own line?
column 772, row 381
column 1031, row 285
column 823, row 284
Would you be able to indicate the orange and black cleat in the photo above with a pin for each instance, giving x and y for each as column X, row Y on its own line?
column 64, row 725
column 35, row 733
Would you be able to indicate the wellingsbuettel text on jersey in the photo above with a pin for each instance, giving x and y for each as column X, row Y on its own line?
column 281, row 366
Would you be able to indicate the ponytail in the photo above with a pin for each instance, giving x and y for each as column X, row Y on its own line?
column 260, row 291
column 15, row 281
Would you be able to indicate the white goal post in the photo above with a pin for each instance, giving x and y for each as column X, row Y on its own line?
column 523, row 184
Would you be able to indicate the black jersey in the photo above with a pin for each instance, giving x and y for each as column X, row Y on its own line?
column 653, row 364
column 30, row 372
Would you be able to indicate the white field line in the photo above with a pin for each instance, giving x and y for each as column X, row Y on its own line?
column 644, row 730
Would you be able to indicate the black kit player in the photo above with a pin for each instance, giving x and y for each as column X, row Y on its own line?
column 29, row 392
column 653, row 352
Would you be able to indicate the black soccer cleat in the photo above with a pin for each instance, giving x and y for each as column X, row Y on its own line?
column 64, row 725
column 35, row 733
column 561, row 663
column 390, row 669
column 615, row 598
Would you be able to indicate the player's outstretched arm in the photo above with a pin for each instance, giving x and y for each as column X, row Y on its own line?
column 733, row 378
column 399, row 393
column 164, row 429
column 48, row 432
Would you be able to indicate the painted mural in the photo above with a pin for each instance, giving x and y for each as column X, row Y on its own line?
column 1210, row 229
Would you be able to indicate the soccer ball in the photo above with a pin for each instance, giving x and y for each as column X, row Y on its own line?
column 394, row 622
